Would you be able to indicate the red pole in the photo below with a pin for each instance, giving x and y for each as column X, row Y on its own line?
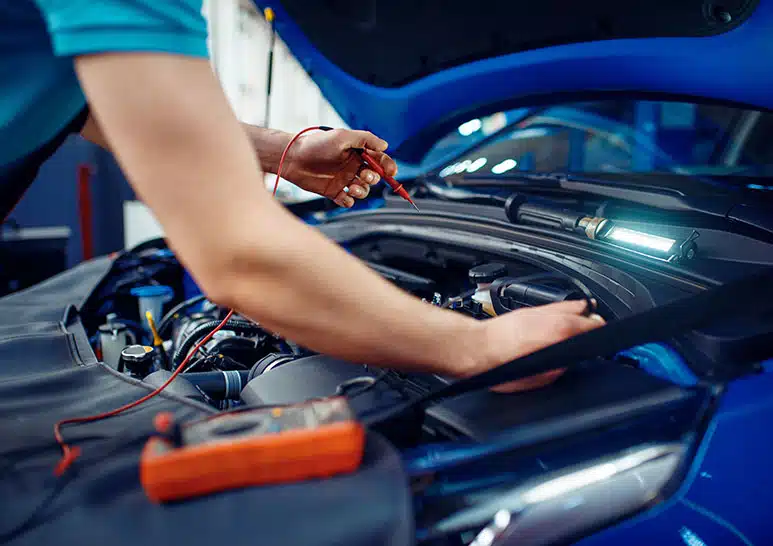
column 85, row 210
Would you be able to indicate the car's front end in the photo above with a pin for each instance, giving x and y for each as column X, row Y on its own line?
column 617, row 152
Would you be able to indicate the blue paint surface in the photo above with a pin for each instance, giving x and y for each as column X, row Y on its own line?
column 733, row 66
column 662, row 361
column 727, row 495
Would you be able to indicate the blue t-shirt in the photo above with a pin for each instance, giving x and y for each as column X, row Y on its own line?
column 39, row 92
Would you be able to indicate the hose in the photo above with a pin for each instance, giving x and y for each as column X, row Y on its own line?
column 269, row 361
column 169, row 317
column 224, row 385
column 239, row 326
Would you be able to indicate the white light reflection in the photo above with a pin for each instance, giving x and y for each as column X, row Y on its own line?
column 506, row 165
column 469, row 127
column 449, row 170
column 476, row 165
column 582, row 478
column 463, row 166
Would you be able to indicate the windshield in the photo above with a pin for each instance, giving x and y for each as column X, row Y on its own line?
column 615, row 136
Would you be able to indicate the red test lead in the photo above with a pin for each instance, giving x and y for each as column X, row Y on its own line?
column 394, row 184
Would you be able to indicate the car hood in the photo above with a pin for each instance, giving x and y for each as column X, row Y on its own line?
column 411, row 70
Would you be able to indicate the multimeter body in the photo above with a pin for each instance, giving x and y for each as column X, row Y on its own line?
column 316, row 439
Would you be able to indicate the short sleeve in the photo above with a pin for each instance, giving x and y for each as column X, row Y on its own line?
column 79, row 27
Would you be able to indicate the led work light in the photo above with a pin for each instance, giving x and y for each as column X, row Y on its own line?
column 520, row 211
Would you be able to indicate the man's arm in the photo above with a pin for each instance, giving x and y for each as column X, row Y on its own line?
column 93, row 133
column 267, row 143
column 172, row 130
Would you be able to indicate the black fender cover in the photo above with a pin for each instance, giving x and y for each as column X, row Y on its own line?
column 48, row 372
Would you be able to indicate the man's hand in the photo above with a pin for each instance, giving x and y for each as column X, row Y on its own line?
column 325, row 163
column 525, row 331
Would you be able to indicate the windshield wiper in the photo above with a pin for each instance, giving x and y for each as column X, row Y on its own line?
column 651, row 195
column 451, row 193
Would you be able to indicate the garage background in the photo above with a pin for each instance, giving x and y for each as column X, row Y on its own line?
column 240, row 38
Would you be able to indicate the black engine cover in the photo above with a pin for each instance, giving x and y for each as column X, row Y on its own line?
column 590, row 395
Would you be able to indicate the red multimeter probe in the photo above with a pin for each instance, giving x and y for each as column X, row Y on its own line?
column 316, row 439
column 394, row 184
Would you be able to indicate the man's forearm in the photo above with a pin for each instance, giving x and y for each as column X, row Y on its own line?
column 299, row 284
column 268, row 144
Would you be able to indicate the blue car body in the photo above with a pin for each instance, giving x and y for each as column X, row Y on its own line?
column 732, row 66
column 725, row 498
column 726, row 495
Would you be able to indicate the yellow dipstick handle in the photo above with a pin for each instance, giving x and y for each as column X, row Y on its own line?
column 152, row 323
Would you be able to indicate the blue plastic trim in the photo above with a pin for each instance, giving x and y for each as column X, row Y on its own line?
column 152, row 291
column 663, row 362
column 734, row 66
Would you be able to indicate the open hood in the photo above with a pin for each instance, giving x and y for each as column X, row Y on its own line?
column 410, row 70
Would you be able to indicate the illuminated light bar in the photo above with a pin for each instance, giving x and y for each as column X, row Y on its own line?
column 639, row 239
column 537, row 212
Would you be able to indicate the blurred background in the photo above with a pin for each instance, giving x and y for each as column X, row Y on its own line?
column 81, row 205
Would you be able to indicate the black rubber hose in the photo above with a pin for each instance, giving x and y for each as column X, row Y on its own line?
column 169, row 317
column 225, row 385
column 239, row 326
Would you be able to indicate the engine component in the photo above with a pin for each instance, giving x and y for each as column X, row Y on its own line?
column 114, row 336
column 599, row 391
column 510, row 293
column 313, row 377
column 406, row 280
column 174, row 312
column 268, row 363
column 137, row 360
column 193, row 336
column 222, row 385
column 186, row 324
column 236, row 349
column 482, row 276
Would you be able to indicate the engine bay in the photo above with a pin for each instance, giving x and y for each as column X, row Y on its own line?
column 599, row 409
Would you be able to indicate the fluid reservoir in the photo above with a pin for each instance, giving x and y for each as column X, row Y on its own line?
column 482, row 276
column 113, row 337
column 152, row 298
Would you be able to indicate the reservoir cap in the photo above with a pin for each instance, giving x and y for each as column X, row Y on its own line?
column 487, row 273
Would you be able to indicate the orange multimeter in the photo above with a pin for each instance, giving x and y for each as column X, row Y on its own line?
column 315, row 439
